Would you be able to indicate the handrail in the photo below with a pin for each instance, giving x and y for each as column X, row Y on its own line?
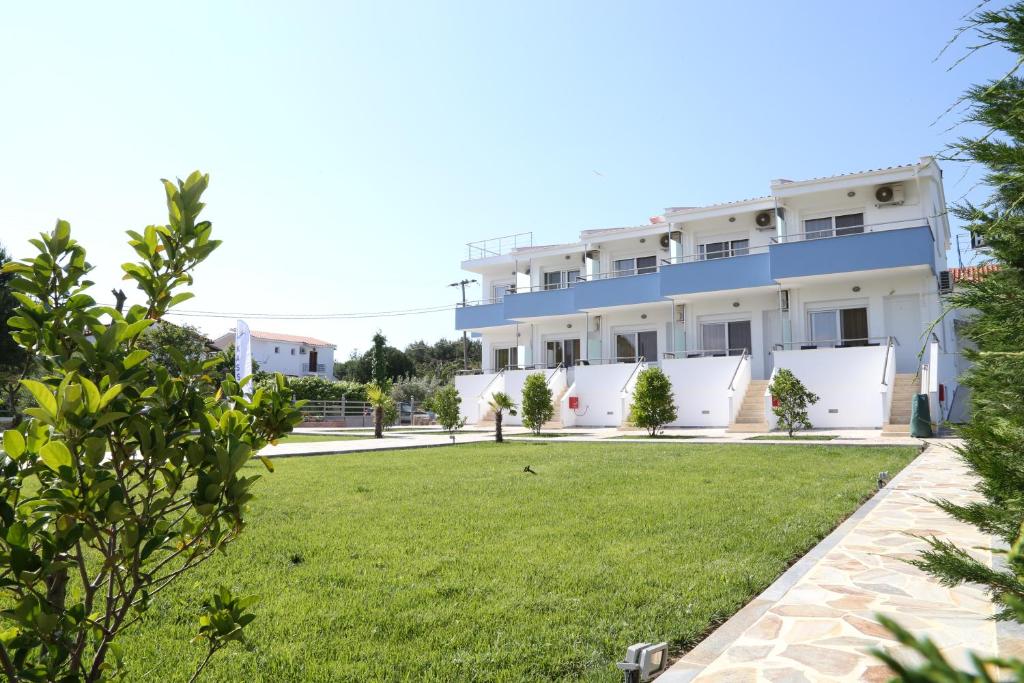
column 935, row 337
column 487, row 386
column 554, row 372
column 735, row 372
column 635, row 368
column 728, row 254
column 704, row 353
column 628, row 272
column 781, row 346
column 606, row 361
column 862, row 229
column 885, row 367
column 498, row 246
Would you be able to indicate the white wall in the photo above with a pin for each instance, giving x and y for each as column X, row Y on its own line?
column 598, row 388
column 701, row 388
column 848, row 381
column 469, row 388
column 288, row 358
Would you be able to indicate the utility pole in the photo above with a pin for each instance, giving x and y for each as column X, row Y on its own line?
column 465, row 338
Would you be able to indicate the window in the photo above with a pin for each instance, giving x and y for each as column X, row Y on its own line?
column 633, row 346
column 834, row 226
column 277, row 349
column 635, row 266
column 841, row 327
column 302, row 351
column 725, row 249
column 726, row 338
column 564, row 351
column 293, row 352
column 560, row 279
column 499, row 290
column 506, row 356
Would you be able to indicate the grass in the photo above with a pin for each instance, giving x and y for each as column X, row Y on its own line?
column 795, row 437
column 307, row 438
column 656, row 436
column 542, row 435
column 453, row 564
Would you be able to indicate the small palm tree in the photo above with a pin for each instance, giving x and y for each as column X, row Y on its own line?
column 378, row 397
column 500, row 402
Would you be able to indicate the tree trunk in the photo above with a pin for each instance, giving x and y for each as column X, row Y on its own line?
column 497, row 427
column 378, row 422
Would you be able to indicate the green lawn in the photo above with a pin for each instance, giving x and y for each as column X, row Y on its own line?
column 453, row 564
column 656, row 436
column 306, row 438
column 795, row 437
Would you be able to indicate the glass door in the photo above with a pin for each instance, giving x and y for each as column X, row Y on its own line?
column 505, row 357
column 564, row 351
column 647, row 345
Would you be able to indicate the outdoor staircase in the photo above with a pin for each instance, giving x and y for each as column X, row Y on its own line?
column 487, row 419
column 751, row 417
column 904, row 388
column 556, row 419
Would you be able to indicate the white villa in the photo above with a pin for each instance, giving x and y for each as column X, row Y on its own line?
column 291, row 355
column 838, row 279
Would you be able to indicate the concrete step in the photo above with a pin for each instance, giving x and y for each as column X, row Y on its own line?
column 890, row 429
column 752, row 427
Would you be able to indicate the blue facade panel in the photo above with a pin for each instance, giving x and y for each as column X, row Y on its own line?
column 483, row 315
column 543, row 302
column 866, row 251
column 738, row 272
column 618, row 291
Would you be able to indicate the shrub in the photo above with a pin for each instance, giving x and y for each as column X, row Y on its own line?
column 446, row 404
column 315, row 388
column 654, row 404
column 133, row 473
column 415, row 389
column 537, row 406
column 790, row 399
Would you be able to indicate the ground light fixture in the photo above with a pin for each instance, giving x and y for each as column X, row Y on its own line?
column 643, row 662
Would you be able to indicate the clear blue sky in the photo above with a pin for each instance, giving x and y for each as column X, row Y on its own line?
column 354, row 148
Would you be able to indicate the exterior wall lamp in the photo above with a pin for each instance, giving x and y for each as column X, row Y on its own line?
column 643, row 662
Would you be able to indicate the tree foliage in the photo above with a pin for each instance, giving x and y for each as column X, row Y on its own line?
column 499, row 403
column 654, row 404
column 537, row 407
column 790, row 399
column 15, row 362
column 446, row 404
column 125, row 474
column 164, row 338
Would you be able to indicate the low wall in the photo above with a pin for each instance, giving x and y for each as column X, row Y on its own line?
column 469, row 388
column 700, row 386
column 598, row 388
column 848, row 383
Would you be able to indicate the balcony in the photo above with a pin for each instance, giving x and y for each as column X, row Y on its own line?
column 692, row 276
column 540, row 301
column 618, row 289
column 877, row 247
column 486, row 313
column 498, row 246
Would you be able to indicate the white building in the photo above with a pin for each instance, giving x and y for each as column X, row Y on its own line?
column 836, row 278
column 289, row 354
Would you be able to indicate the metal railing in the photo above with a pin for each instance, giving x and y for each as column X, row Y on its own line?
column 498, row 246
column 846, row 231
column 743, row 357
column 487, row 386
column 705, row 353
column 554, row 371
column 885, row 366
column 327, row 410
column 728, row 254
column 580, row 362
column 849, row 343
column 612, row 274
column 480, row 302
column 629, row 379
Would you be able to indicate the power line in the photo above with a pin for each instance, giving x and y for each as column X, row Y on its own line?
column 313, row 316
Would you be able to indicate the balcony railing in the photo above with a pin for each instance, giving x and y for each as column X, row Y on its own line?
column 498, row 246
column 853, row 230
column 715, row 255
column 835, row 343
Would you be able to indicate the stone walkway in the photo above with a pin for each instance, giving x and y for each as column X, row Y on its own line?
column 817, row 622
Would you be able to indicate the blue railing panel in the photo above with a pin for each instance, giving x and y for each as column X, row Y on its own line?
column 540, row 303
column 849, row 253
column 738, row 272
column 482, row 315
column 618, row 291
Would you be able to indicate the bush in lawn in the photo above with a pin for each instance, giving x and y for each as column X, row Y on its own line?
column 445, row 405
column 654, row 405
column 500, row 402
column 537, row 406
column 790, row 400
column 133, row 472
column 380, row 399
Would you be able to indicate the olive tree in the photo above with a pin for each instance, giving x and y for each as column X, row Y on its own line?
column 125, row 475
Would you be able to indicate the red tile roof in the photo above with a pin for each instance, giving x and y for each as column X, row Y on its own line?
column 296, row 338
column 972, row 273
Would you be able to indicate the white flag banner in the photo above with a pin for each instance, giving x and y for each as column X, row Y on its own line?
column 243, row 355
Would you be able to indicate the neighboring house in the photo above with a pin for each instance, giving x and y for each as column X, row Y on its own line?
column 289, row 354
column 836, row 278
column 960, row 400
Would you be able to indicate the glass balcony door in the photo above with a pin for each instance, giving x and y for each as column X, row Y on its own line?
column 564, row 351
column 631, row 347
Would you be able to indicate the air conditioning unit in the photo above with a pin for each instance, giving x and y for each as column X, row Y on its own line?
column 680, row 313
column 945, row 282
column 765, row 221
column 676, row 235
column 783, row 299
column 889, row 195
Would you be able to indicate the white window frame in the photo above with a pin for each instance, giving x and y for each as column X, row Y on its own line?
column 836, row 308
column 560, row 339
column 510, row 348
column 635, row 331
column 563, row 278
column 505, row 285
column 731, row 249
column 725, row 320
column 634, row 270
column 832, row 215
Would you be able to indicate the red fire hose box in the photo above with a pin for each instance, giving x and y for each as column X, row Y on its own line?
column 574, row 403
